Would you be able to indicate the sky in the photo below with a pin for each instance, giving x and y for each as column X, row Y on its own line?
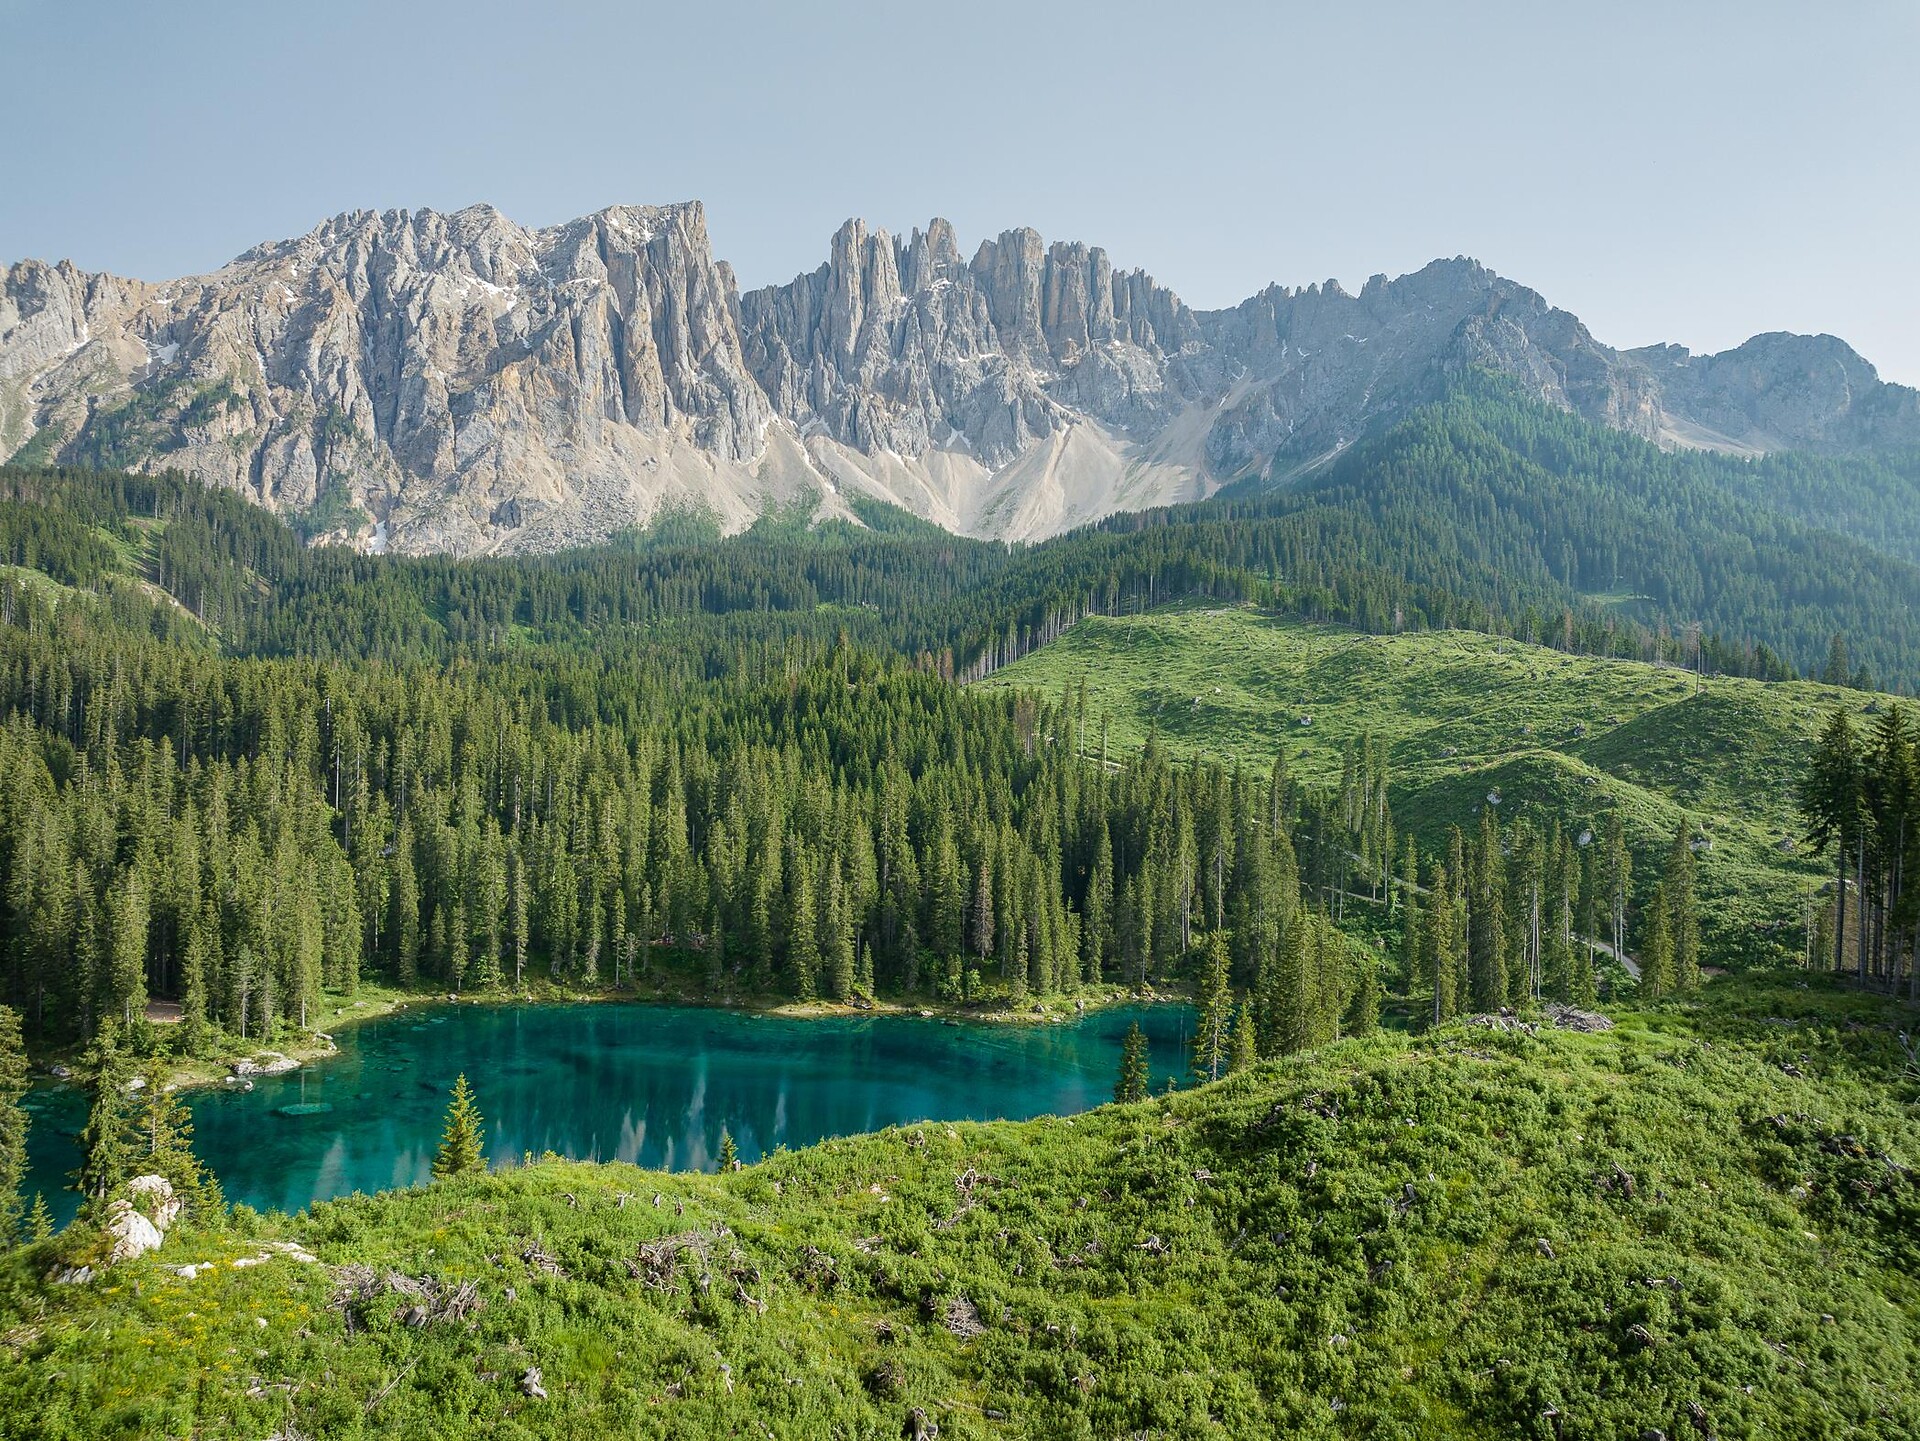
column 1689, row 171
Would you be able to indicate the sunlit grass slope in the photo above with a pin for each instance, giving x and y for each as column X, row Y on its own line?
column 1466, row 716
column 1466, row 1234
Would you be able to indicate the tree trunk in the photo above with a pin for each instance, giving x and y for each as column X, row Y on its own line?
column 1840, row 910
column 1860, row 923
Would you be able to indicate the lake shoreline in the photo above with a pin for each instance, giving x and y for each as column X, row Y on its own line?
column 375, row 1002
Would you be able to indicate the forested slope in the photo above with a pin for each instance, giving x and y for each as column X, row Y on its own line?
column 1482, row 511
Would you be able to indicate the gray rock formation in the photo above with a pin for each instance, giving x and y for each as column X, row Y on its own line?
column 456, row 382
column 138, row 1222
column 1780, row 392
column 455, row 377
column 901, row 345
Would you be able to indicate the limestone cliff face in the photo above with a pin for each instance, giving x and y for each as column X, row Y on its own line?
column 456, row 382
column 455, row 377
column 1781, row 392
column 1318, row 364
column 899, row 344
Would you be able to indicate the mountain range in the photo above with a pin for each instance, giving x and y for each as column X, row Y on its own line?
column 423, row 382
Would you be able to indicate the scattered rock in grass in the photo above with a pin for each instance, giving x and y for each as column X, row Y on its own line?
column 265, row 1063
column 530, row 1384
column 1572, row 1018
column 133, row 1234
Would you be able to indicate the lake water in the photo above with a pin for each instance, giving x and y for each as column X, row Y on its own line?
column 643, row 1083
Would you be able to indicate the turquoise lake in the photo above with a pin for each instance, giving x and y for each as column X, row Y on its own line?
column 643, row 1083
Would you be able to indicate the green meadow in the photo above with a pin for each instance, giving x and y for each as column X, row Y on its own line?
column 1702, row 1222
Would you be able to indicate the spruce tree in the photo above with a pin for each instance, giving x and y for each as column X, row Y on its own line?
column 13, row 1124
column 163, row 1138
column 1839, row 667
column 1656, row 948
column 1584, row 987
column 1294, row 988
column 1486, row 920
column 127, row 923
column 803, row 947
column 197, row 962
column 1096, row 930
column 1213, row 1030
column 1410, row 937
column 463, row 1142
column 1682, row 912
column 39, row 1225
column 842, row 968
column 729, row 1153
column 1460, row 947
column 1246, row 1043
column 1438, row 948
column 1363, row 1015
column 106, row 1141
column 982, row 918
column 1616, row 869
column 949, row 897
column 1134, row 1076
column 1558, row 961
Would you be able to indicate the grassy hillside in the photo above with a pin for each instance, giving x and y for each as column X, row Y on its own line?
column 1473, row 1233
column 1467, row 715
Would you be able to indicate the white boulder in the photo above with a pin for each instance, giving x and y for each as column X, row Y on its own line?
column 138, row 1222
column 154, row 1196
column 133, row 1234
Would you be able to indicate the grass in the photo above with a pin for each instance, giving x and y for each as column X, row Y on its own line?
column 1464, row 715
column 1343, row 1244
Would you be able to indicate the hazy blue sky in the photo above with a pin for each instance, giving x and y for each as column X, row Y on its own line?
column 1688, row 170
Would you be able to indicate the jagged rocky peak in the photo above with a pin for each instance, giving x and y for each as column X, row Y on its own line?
column 1309, row 368
column 455, row 381
column 456, row 375
column 899, row 344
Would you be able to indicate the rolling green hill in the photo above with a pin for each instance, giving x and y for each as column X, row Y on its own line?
column 1704, row 1221
column 1466, row 716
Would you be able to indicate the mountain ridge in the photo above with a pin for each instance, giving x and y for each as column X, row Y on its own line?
column 456, row 382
